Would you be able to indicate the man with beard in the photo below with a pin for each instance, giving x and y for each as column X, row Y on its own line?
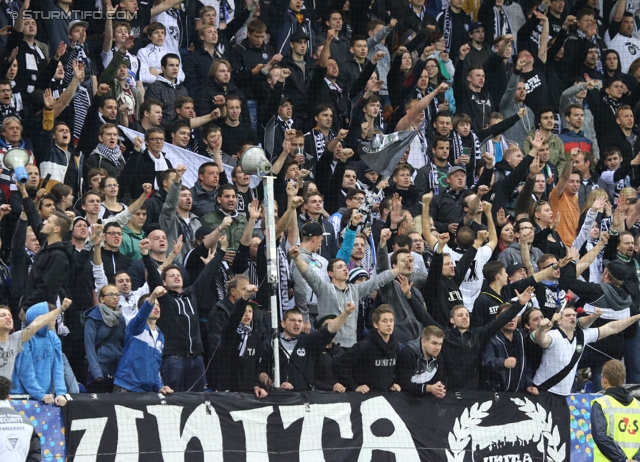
column 176, row 218
column 227, row 200
column 432, row 177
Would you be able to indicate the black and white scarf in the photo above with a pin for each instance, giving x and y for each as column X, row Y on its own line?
column 458, row 149
column 611, row 103
column 594, row 40
column 319, row 142
column 283, row 282
column 114, row 155
column 491, row 149
column 244, row 332
column 501, row 24
column 447, row 28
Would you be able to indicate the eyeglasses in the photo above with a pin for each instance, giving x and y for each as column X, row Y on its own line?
column 111, row 295
column 416, row 241
column 360, row 199
column 112, row 185
column 549, row 265
column 113, row 233
column 156, row 140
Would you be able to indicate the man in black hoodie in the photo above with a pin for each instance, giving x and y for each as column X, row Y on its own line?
column 370, row 365
column 419, row 368
column 463, row 344
column 51, row 263
column 298, row 353
column 614, row 406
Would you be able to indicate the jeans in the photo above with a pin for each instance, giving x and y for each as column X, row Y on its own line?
column 253, row 113
column 183, row 372
column 69, row 378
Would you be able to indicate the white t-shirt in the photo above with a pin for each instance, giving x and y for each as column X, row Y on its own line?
column 8, row 352
column 472, row 284
column 557, row 355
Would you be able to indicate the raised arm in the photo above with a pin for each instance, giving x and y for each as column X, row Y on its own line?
column 337, row 323
column 43, row 320
column 426, row 221
column 540, row 334
column 493, row 234
column 414, row 112
column 615, row 327
column 566, row 173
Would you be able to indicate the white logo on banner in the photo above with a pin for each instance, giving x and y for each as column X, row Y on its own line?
column 538, row 428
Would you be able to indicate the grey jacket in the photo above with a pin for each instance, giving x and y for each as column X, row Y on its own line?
column 305, row 298
column 509, row 107
column 332, row 300
column 512, row 255
column 171, row 223
column 406, row 326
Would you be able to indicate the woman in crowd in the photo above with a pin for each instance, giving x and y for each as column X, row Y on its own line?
column 546, row 237
column 104, row 331
column 110, row 188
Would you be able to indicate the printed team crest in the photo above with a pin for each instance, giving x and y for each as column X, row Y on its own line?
column 534, row 438
column 301, row 352
column 265, row 56
column 12, row 443
column 579, row 348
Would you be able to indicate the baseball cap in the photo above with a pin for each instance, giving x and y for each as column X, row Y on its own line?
column 75, row 23
column 617, row 268
column 299, row 35
column 283, row 100
column 475, row 25
column 203, row 231
column 312, row 229
column 514, row 267
column 457, row 168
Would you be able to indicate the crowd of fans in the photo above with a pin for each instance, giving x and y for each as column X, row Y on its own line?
column 514, row 208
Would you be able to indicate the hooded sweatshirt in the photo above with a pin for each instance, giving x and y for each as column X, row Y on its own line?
column 39, row 370
column 371, row 362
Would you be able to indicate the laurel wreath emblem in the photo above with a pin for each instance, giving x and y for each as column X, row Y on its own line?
column 460, row 437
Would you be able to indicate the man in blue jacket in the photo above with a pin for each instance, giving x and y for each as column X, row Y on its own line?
column 139, row 367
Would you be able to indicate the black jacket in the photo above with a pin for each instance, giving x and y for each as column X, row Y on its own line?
column 325, row 370
column 298, row 368
column 209, row 90
column 370, row 362
column 296, row 89
column 167, row 93
column 414, row 371
column 180, row 310
column 238, row 373
column 485, row 308
column 461, row 351
column 245, row 57
column 140, row 169
column 48, row 273
column 497, row 377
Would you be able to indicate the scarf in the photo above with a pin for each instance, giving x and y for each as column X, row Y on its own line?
column 81, row 103
column 319, row 142
column 458, row 148
column 114, row 155
column 283, row 282
column 244, row 332
column 447, row 28
column 288, row 343
column 501, row 25
column 594, row 40
column 611, row 103
column 110, row 317
column 160, row 166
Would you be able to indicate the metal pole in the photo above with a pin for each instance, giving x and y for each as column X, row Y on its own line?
column 272, row 271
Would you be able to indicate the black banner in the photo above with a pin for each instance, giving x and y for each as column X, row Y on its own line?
column 317, row 426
